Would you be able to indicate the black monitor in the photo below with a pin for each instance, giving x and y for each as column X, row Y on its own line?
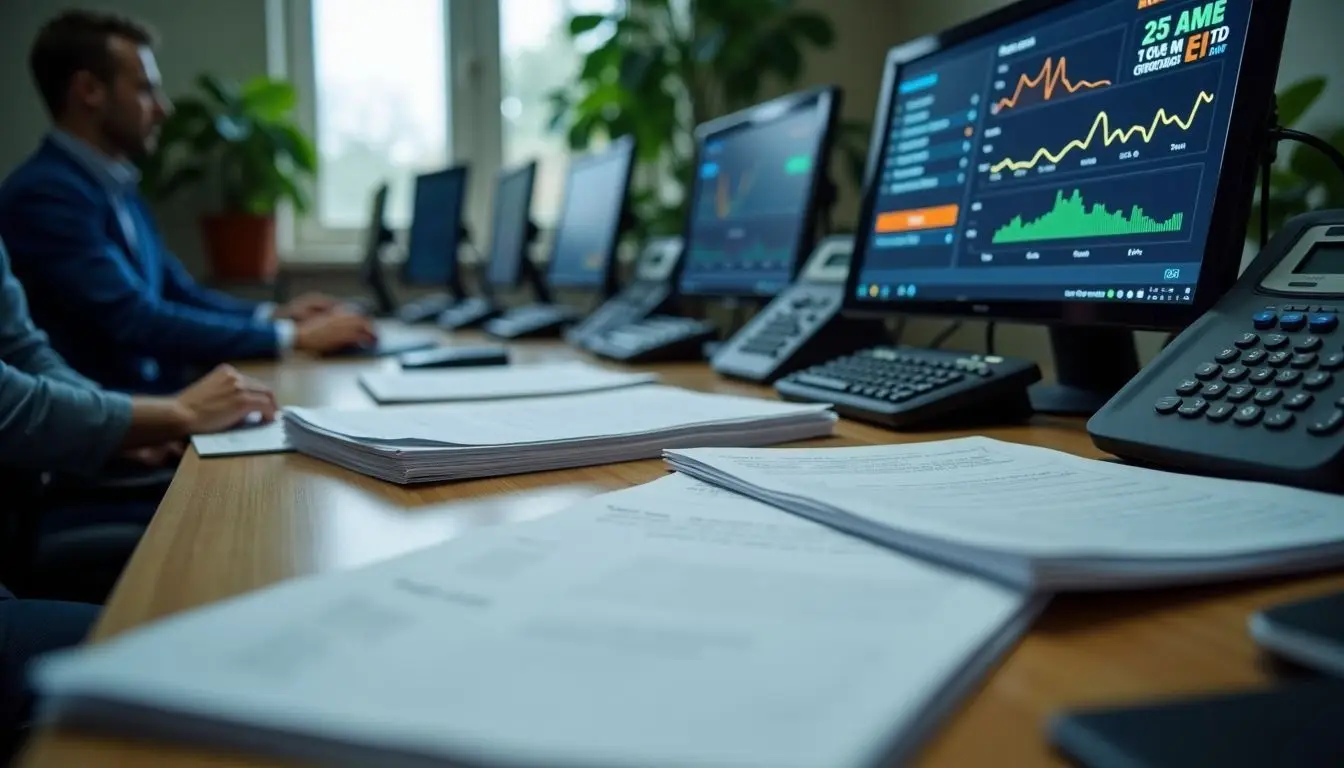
column 436, row 230
column 1076, row 162
column 511, row 229
column 376, row 237
column 583, row 256
column 759, row 182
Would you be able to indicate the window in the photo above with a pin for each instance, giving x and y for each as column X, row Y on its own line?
column 381, row 104
column 391, row 89
column 538, row 57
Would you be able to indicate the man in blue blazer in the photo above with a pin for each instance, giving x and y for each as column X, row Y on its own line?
column 119, row 307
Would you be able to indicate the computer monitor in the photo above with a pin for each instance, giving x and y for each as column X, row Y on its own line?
column 591, row 220
column 511, row 229
column 376, row 237
column 1076, row 162
column 436, row 230
column 760, row 176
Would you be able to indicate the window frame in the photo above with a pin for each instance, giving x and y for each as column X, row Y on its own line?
column 474, row 124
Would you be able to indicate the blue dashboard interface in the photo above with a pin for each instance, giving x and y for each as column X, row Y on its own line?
column 509, row 228
column 590, row 221
column 1073, row 156
column 431, row 249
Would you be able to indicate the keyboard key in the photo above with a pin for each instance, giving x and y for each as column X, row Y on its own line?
column 1308, row 343
column 1254, row 357
column 1333, row 362
column 1165, row 405
column 1304, row 360
column 1208, row 371
column 1297, row 308
column 1280, row 359
column 1279, row 420
column 1262, row 375
column 1275, row 340
column 1327, row 425
column 1247, row 340
column 1220, row 411
column 1227, row 355
column 1300, row 401
column 821, row 382
column 1194, row 409
column 1189, row 387
column 1248, row 414
column 1235, row 373
column 1214, row 390
column 1268, row 396
column 1292, row 321
column 1318, row 380
column 1240, row 393
column 1288, row 378
column 1323, row 322
column 1264, row 320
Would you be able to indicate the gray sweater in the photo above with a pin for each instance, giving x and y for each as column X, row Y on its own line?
column 51, row 418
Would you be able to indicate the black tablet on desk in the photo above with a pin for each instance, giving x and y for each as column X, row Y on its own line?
column 1308, row 632
column 1294, row 726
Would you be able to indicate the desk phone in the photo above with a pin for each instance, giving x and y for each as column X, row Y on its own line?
column 1254, row 389
column 649, row 293
column 802, row 325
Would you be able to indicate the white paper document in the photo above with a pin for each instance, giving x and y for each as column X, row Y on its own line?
column 496, row 382
column 671, row 624
column 244, row 440
column 450, row 441
column 1039, row 516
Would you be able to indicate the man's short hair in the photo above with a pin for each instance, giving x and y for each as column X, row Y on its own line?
column 75, row 41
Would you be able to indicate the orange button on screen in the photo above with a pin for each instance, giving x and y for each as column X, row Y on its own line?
column 917, row 218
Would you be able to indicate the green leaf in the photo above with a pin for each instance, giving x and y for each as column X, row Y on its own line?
column 293, row 144
column 223, row 93
column 584, row 23
column 268, row 99
column 1297, row 98
column 812, row 27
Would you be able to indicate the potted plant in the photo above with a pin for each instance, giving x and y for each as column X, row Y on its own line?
column 656, row 69
column 1303, row 179
column 243, row 138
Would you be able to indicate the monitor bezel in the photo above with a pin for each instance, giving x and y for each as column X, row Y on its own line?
column 529, row 170
column 619, row 148
column 1247, row 127
column 826, row 97
column 454, row 267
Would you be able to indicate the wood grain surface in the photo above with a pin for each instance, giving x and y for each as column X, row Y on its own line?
column 232, row 525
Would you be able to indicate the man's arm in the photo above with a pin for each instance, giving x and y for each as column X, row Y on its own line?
column 56, row 230
column 22, row 345
column 181, row 287
column 48, row 425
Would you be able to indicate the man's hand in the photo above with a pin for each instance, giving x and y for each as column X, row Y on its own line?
column 223, row 399
column 334, row 331
column 306, row 307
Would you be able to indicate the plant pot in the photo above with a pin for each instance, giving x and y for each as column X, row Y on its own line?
column 240, row 246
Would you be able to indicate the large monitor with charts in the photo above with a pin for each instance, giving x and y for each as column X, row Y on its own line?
column 1069, row 161
column 436, row 230
column 511, row 229
column 591, row 219
column 760, row 175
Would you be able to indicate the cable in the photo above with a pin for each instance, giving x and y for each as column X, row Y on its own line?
column 1270, row 156
column 1277, row 134
column 946, row 334
column 1315, row 142
column 989, row 338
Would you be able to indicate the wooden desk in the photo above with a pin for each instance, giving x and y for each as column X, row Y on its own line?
column 228, row 526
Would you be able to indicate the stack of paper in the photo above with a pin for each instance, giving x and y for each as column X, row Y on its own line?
column 496, row 383
column 424, row 443
column 1040, row 518
column 671, row 624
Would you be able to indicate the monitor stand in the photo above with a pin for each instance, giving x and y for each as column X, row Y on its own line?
column 1091, row 365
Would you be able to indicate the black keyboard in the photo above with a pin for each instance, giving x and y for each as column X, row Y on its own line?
column 535, row 320
column 468, row 313
column 908, row 387
column 660, row 337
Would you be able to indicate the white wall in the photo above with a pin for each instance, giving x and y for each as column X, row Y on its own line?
column 226, row 38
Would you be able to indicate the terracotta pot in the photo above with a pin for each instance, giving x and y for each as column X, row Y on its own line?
column 240, row 246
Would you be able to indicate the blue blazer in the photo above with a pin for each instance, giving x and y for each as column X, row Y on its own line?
column 117, row 305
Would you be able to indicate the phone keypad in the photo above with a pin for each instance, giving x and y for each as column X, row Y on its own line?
column 1278, row 378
